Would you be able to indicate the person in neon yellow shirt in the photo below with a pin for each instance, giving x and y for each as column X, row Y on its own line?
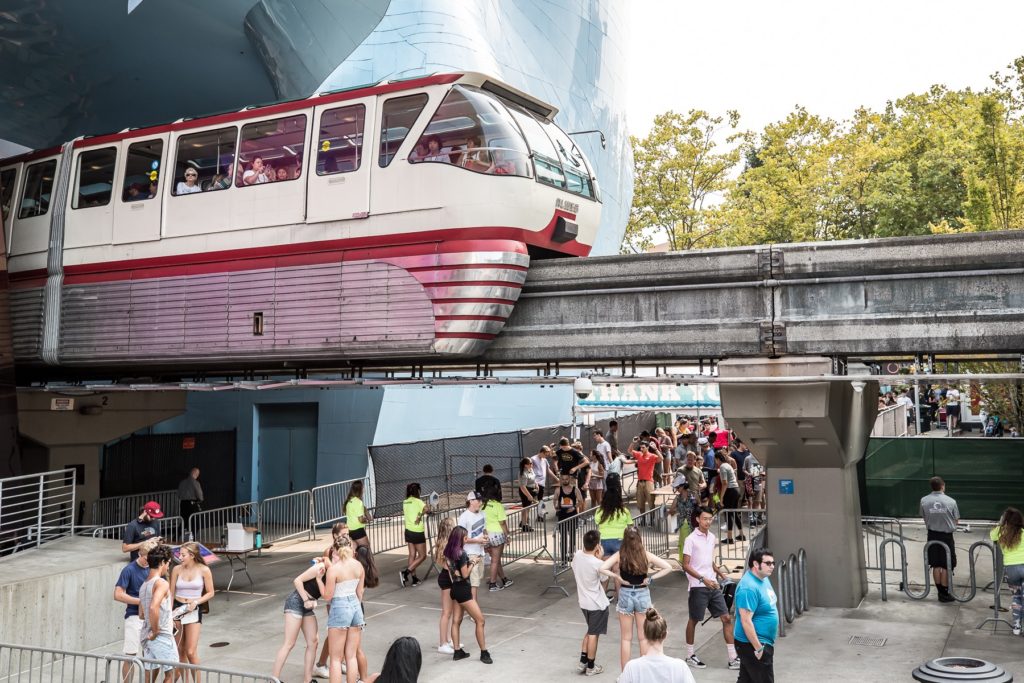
column 356, row 515
column 612, row 518
column 497, row 532
column 1008, row 536
column 414, row 510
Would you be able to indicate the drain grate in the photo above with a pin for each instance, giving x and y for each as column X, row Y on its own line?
column 867, row 641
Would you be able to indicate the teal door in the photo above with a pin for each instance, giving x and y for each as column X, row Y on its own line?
column 287, row 448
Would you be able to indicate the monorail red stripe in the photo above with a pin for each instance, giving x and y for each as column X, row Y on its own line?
column 490, row 318
column 469, row 266
column 464, row 335
column 475, row 300
column 474, row 283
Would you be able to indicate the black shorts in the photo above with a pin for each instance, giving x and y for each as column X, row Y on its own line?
column 953, row 411
column 936, row 553
column 703, row 599
column 462, row 592
column 356, row 534
column 444, row 580
column 597, row 621
column 415, row 537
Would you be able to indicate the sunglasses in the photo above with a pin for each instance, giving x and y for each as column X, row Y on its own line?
column 770, row 564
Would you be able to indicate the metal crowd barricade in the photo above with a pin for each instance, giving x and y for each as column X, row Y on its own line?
column 25, row 664
column 287, row 516
column 209, row 527
column 567, row 538
column 172, row 530
column 116, row 509
column 36, row 508
column 875, row 530
column 753, row 522
column 386, row 529
column 653, row 528
column 329, row 499
column 530, row 543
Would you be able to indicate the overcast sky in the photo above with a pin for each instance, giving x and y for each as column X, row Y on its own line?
column 764, row 57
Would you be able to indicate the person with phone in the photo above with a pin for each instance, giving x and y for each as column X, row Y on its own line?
column 191, row 588
column 460, row 566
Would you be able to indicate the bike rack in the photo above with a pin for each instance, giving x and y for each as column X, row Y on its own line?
column 792, row 589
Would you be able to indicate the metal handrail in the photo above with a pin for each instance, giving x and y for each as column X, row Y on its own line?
column 113, row 510
column 172, row 530
column 36, row 508
column 287, row 516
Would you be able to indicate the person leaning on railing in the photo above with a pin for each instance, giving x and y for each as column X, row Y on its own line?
column 1008, row 537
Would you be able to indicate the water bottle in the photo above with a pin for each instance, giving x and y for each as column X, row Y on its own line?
column 258, row 539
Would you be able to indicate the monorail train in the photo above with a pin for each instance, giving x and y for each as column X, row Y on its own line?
column 274, row 235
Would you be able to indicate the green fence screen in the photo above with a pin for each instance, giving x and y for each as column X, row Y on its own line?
column 983, row 475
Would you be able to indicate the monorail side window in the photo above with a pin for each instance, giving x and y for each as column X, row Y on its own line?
column 577, row 175
column 95, row 178
column 6, row 191
column 205, row 161
column 397, row 116
column 35, row 200
column 142, row 170
column 545, row 157
column 340, row 145
column 472, row 129
column 271, row 151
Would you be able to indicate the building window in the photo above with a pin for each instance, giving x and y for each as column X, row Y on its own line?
column 340, row 145
column 142, row 170
column 205, row 161
column 397, row 117
column 35, row 200
column 473, row 130
column 95, row 178
column 271, row 151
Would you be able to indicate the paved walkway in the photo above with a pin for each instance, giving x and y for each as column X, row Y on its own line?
column 536, row 637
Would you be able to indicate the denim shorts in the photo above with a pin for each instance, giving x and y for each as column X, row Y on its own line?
column 633, row 600
column 293, row 605
column 345, row 612
column 611, row 546
column 163, row 648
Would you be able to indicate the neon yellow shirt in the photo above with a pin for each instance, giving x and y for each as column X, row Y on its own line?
column 412, row 507
column 494, row 513
column 354, row 509
column 613, row 528
column 1010, row 555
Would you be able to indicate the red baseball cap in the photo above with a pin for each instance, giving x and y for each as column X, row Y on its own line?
column 152, row 508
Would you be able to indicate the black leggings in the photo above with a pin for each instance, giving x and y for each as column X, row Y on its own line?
column 732, row 500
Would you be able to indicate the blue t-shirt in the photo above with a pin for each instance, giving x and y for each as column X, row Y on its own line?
column 757, row 595
column 131, row 579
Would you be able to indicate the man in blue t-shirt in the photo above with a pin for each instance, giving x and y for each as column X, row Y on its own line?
column 758, row 619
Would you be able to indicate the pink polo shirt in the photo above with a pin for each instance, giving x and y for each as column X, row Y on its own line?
column 700, row 547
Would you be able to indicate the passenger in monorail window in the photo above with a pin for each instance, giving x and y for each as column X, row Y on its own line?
column 434, row 151
column 503, row 165
column 152, row 190
column 190, row 184
column 282, row 174
column 221, row 179
column 418, row 154
column 256, row 173
column 134, row 194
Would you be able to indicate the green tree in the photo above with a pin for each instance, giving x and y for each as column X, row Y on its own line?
column 679, row 172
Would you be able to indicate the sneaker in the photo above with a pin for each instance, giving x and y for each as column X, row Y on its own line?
column 485, row 657
column 727, row 541
column 493, row 587
column 415, row 581
column 695, row 663
column 446, row 649
column 507, row 583
column 740, row 537
column 459, row 654
column 734, row 664
column 321, row 672
column 1016, row 629
column 581, row 667
column 598, row 669
column 402, row 577
column 946, row 597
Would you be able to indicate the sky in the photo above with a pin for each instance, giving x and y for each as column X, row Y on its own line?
column 763, row 58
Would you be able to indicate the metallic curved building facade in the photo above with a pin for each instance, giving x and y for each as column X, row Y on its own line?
column 139, row 62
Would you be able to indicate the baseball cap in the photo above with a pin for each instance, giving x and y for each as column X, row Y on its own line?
column 152, row 508
column 472, row 496
column 680, row 480
column 703, row 440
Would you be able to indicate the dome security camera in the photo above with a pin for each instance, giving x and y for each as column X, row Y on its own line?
column 582, row 387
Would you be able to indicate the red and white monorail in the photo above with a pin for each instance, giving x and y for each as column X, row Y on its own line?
column 393, row 221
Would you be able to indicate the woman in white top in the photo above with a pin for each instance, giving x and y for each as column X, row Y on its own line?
column 730, row 497
column 344, row 587
column 597, row 474
column 528, row 491
column 191, row 183
column 654, row 666
column 256, row 174
column 191, row 586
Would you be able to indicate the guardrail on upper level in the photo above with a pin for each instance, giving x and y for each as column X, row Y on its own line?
column 172, row 530
column 891, row 421
column 115, row 510
column 36, row 508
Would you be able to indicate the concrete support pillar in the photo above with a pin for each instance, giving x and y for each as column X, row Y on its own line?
column 810, row 436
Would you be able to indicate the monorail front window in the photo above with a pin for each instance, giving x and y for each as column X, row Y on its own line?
column 142, row 170
column 6, row 191
column 205, row 161
column 340, row 145
column 545, row 158
column 577, row 174
column 474, row 130
column 271, row 151
column 397, row 116
column 95, row 178
column 35, row 200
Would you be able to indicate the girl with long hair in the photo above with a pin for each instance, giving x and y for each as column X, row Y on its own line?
column 401, row 664
column 191, row 586
column 330, row 556
column 356, row 514
column 299, row 613
column 629, row 568
column 529, row 492
column 612, row 518
column 597, row 474
column 414, row 510
column 497, row 532
column 343, row 586
column 459, row 567
column 1008, row 536
column 655, row 665
column 444, row 582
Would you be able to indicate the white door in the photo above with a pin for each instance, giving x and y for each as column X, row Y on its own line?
column 340, row 161
column 141, row 185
